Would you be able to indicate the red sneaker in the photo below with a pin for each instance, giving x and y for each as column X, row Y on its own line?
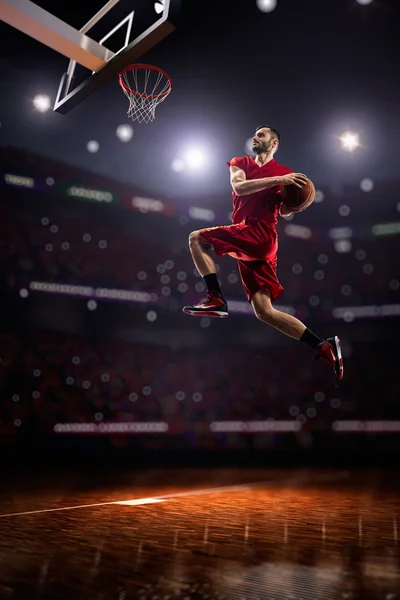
column 213, row 306
column 331, row 352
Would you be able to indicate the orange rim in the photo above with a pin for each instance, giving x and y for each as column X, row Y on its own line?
column 136, row 67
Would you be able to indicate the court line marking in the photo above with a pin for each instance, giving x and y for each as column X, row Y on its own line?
column 44, row 510
column 139, row 501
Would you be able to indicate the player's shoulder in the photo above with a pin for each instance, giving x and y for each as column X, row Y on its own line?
column 239, row 161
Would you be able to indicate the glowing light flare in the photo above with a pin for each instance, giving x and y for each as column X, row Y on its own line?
column 266, row 5
column 350, row 141
column 195, row 158
column 41, row 102
column 367, row 185
column 124, row 133
column 92, row 146
column 159, row 6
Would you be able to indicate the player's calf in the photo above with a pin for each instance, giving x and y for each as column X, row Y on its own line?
column 328, row 350
column 283, row 322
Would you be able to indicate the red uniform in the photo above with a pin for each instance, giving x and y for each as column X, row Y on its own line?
column 253, row 239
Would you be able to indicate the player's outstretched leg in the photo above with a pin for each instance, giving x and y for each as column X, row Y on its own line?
column 214, row 305
column 328, row 350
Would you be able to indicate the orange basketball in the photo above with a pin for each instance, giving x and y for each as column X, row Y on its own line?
column 298, row 199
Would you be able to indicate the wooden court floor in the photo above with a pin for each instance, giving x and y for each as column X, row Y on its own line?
column 200, row 534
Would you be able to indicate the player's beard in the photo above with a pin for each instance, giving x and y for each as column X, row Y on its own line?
column 262, row 147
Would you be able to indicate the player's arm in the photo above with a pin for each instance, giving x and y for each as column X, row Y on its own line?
column 242, row 187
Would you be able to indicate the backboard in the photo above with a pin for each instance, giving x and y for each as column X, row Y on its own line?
column 120, row 33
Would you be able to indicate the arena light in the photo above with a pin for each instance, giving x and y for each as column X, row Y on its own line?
column 147, row 204
column 195, row 158
column 340, row 233
column 342, row 246
column 254, row 426
column 76, row 191
column 205, row 214
column 159, row 6
column 344, row 210
column 369, row 427
column 124, row 133
column 19, row 180
column 367, row 185
column 350, row 141
column 298, row 231
column 266, row 5
column 383, row 310
column 92, row 146
column 41, row 103
column 386, row 228
column 364, row 2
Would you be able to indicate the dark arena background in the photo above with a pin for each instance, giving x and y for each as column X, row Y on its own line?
column 149, row 455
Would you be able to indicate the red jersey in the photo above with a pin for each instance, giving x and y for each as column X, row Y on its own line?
column 262, row 205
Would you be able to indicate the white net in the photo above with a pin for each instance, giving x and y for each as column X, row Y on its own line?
column 145, row 89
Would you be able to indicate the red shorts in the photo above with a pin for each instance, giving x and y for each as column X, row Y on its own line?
column 254, row 244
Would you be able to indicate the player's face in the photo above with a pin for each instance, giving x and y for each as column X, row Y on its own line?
column 263, row 141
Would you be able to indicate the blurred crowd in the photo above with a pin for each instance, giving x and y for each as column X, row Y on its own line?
column 43, row 243
column 48, row 378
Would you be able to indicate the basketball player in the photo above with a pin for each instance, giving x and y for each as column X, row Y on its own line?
column 252, row 239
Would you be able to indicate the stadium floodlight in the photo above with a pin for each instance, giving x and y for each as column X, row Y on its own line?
column 41, row 103
column 266, row 5
column 93, row 146
column 350, row 141
column 366, row 184
column 195, row 158
column 124, row 133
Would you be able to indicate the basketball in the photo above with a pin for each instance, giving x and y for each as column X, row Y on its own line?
column 298, row 199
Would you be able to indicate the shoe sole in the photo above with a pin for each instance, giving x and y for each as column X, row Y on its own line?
column 207, row 313
column 338, row 348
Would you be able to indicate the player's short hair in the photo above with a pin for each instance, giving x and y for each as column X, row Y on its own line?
column 274, row 132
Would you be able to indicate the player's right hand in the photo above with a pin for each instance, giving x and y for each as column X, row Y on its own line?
column 297, row 179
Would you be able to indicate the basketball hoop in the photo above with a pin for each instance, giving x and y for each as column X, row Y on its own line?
column 145, row 87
